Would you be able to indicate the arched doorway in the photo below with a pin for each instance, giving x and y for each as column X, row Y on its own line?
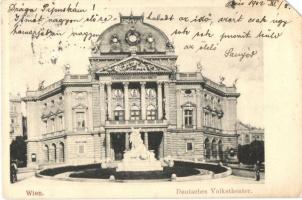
column 54, row 153
column 207, row 148
column 46, row 153
column 61, row 152
column 214, row 149
column 220, row 151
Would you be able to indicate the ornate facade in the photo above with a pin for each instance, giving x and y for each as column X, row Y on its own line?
column 16, row 117
column 133, row 81
column 247, row 133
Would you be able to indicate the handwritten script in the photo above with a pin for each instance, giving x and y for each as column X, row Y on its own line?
column 206, row 31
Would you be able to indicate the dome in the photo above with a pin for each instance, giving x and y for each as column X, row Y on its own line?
column 132, row 35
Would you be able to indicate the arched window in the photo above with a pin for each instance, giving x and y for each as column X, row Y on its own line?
column 151, row 113
column 119, row 113
column 54, row 152
column 61, row 152
column 214, row 149
column 207, row 148
column 135, row 113
column 220, row 151
column 46, row 153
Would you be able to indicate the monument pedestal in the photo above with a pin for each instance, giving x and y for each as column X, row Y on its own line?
column 141, row 165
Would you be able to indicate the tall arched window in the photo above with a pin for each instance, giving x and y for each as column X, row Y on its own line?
column 220, row 151
column 61, row 152
column 214, row 148
column 46, row 153
column 207, row 148
column 54, row 152
column 151, row 113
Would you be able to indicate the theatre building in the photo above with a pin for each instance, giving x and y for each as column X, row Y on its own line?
column 133, row 82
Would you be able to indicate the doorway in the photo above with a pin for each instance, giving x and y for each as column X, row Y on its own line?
column 155, row 143
column 118, row 145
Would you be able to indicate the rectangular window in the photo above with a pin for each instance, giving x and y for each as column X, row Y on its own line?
column 189, row 146
column 81, row 149
column 119, row 115
column 45, row 126
column 135, row 115
column 188, row 118
column 52, row 120
column 151, row 115
column 60, row 123
column 80, row 120
column 33, row 157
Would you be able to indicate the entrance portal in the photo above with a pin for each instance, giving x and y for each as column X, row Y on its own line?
column 118, row 145
column 155, row 143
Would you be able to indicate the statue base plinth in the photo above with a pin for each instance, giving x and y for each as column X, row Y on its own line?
column 139, row 165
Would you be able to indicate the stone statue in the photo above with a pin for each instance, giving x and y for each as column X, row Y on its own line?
column 199, row 67
column 235, row 82
column 221, row 78
column 41, row 85
column 66, row 69
column 138, row 158
column 138, row 149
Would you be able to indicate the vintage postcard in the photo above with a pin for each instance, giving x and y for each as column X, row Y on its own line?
column 160, row 99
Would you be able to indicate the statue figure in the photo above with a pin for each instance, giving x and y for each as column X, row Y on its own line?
column 138, row 149
column 138, row 158
column 199, row 67
column 66, row 69
column 41, row 85
column 221, row 78
column 235, row 82
column 94, row 47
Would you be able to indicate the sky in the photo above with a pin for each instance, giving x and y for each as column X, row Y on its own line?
column 30, row 60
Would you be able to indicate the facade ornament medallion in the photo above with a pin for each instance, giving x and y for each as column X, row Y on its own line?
column 132, row 37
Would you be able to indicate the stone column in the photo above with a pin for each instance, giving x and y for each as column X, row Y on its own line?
column 166, row 91
column 159, row 101
column 179, row 116
column 102, row 104
column 198, row 109
column 143, row 100
column 146, row 140
column 108, row 145
column 126, row 100
column 109, row 101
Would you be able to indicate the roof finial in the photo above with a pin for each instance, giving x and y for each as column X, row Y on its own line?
column 199, row 67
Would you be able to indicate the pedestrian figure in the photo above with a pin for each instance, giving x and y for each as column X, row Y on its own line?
column 13, row 172
column 257, row 170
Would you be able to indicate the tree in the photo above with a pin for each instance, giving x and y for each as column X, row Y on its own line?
column 250, row 153
column 18, row 151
